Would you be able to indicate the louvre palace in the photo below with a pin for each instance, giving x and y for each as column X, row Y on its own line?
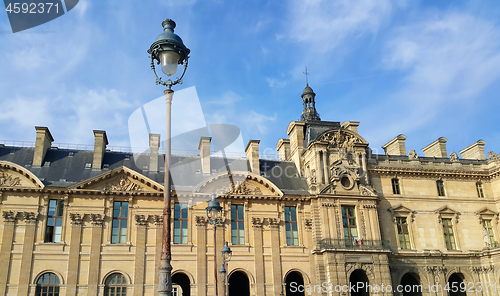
column 328, row 215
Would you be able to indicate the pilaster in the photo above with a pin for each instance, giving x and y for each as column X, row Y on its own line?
column 140, row 256
column 201, row 255
column 95, row 253
column 9, row 219
column 274, row 223
column 30, row 219
column 259, row 256
column 74, row 253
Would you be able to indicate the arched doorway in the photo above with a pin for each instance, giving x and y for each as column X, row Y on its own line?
column 182, row 280
column 454, row 281
column 239, row 285
column 359, row 280
column 411, row 285
column 294, row 284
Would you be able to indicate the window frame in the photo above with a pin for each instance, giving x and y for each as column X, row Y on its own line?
column 404, row 244
column 121, row 286
column 291, row 235
column 235, row 220
column 347, row 218
column 40, row 285
column 440, row 188
column 479, row 189
column 121, row 220
column 453, row 244
column 183, row 237
column 56, row 218
column 396, row 186
column 490, row 230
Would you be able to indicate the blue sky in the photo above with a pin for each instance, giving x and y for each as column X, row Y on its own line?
column 423, row 69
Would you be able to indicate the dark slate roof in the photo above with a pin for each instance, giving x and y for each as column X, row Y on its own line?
column 65, row 167
column 316, row 128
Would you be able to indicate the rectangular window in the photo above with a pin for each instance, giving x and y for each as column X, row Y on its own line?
column 237, row 225
column 180, row 223
column 489, row 229
column 120, row 213
column 53, row 230
column 395, row 186
column 479, row 188
column 403, row 233
column 349, row 223
column 449, row 238
column 292, row 236
column 440, row 188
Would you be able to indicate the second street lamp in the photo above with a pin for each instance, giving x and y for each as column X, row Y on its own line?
column 169, row 51
column 214, row 215
column 227, row 254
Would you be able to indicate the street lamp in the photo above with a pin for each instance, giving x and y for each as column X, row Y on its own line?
column 169, row 51
column 226, row 257
column 214, row 215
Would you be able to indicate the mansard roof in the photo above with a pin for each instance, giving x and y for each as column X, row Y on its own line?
column 67, row 167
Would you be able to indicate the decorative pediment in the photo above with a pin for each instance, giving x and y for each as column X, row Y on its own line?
column 447, row 213
column 13, row 175
column 342, row 139
column 487, row 214
column 243, row 183
column 402, row 211
column 367, row 190
column 121, row 179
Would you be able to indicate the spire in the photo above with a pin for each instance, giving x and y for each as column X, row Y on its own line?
column 309, row 113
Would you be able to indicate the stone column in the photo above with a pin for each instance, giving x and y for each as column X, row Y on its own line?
column 259, row 256
column 274, row 223
column 140, row 254
column 9, row 219
column 201, row 255
column 29, row 238
column 158, row 220
column 74, row 253
column 95, row 253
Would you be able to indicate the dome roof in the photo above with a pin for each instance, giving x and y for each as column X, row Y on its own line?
column 307, row 90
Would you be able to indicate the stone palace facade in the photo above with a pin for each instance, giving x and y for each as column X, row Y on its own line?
column 327, row 215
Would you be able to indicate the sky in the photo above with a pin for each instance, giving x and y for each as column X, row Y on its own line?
column 425, row 69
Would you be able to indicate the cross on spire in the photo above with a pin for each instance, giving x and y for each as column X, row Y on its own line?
column 306, row 74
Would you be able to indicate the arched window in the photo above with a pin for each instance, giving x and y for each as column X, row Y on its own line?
column 115, row 285
column 47, row 285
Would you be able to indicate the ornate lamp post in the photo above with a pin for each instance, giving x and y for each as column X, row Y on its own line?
column 214, row 215
column 169, row 51
column 226, row 257
column 223, row 273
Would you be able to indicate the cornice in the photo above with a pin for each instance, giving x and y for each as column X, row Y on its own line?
column 441, row 173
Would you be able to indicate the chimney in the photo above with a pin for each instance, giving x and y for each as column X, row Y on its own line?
column 436, row 148
column 474, row 151
column 396, row 146
column 350, row 125
column 204, row 148
column 42, row 144
column 283, row 148
column 154, row 146
column 101, row 140
column 252, row 152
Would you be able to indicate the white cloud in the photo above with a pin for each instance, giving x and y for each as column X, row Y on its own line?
column 259, row 121
column 324, row 24
column 276, row 83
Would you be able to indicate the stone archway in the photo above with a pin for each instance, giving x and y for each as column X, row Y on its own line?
column 294, row 284
column 410, row 285
column 455, row 280
column 359, row 280
column 239, row 284
column 183, row 281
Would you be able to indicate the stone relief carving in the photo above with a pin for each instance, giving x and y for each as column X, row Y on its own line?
column 454, row 156
column 312, row 177
column 30, row 217
column 367, row 267
column 492, row 155
column 10, row 216
column 308, row 224
column 257, row 222
column 273, row 222
column 7, row 180
column 141, row 220
column 241, row 188
column 412, row 154
column 97, row 219
column 341, row 140
column 157, row 219
column 367, row 190
column 201, row 220
column 77, row 219
column 483, row 269
column 122, row 184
